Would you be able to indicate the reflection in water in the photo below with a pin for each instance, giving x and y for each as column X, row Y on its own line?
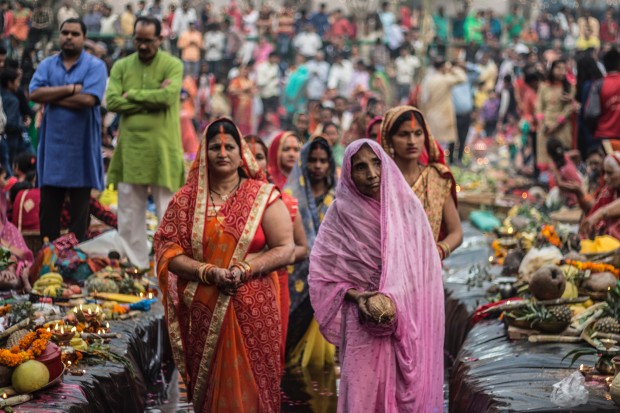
column 304, row 390
column 310, row 390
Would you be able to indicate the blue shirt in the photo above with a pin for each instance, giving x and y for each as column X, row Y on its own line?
column 70, row 140
column 462, row 94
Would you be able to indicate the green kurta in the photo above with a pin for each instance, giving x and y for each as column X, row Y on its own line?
column 149, row 150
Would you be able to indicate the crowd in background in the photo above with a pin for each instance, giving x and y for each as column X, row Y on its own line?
column 475, row 74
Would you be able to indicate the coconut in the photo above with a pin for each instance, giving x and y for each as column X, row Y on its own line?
column 381, row 308
column 548, row 283
column 30, row 376
column 599, row 282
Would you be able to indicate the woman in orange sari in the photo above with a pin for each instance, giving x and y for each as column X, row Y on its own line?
column 242, row 90
column 217, row 277
column 21, row 24
column 405, row 137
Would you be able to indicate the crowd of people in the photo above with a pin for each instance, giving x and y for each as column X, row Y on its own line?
column 320, row 199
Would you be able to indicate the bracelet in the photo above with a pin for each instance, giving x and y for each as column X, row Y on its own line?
column 442, row 254
column 445, row 248
column 245, row 268
column 202, row 273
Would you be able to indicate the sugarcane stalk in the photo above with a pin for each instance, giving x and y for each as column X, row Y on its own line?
column 606, row 335
column 14, row 401
column 14, row 328
column 553, row 339
column 519, row 304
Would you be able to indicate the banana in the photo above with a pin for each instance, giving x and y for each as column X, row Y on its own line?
column 46, row 282
column 52, row 276
column 51, row 291
column 78, row 344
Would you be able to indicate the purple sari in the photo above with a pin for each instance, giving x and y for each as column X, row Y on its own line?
column 396, row 368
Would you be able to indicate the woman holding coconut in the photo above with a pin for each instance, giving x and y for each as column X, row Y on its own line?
column 378, row 293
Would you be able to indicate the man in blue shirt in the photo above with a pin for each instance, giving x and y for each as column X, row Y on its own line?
column 320, row 20
column 71, row 86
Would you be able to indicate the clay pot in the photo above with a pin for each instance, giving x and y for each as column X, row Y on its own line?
column 548, row 283
column 51, row 357
column 5, row 375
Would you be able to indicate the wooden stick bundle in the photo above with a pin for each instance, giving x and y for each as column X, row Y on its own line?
column 553, row 339
column 22, row 324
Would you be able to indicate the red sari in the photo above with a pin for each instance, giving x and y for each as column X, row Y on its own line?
column 605, row 196
column 226, row 348
column 275, row 150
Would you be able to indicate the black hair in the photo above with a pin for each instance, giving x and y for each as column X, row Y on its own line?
column 148, row 20
column 274, row 54
column 228, row 127
column 587, row 71
column 328, row 124
column 565, row 84
column 3, row 50
column 74, row 20
column 26, row 162
column 555, row 150
column 406, row 117
column 8, row 75
column 596, row 150
column 256, row 140
column 11, row 64
column 611, row 60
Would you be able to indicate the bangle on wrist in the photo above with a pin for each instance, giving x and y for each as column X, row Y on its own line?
column 244, row 268
column 202, row 273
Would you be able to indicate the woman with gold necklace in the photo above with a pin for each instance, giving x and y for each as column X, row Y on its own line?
column 407, row 139
column 223, row 236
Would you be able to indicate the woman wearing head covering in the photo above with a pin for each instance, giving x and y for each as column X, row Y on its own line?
column 376, row 287
column 260, row 152
column 313, row 183
column 217, row 277
column 602, row 212
column 406, row 138
column 283, row 155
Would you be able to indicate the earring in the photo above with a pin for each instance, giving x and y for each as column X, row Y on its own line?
column 392, row 151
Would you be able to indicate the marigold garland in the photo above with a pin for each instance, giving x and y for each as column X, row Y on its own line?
column 551, row 236
column 593, row 266
column 5, row 309
column 30, row 347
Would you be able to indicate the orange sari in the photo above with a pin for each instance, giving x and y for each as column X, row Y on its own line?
column 226, row 348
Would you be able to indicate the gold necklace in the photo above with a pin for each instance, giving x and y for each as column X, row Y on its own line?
column 225, row 197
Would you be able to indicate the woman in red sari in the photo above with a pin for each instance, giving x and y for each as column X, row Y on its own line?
column 283, row 155
column 601, row 212
column 219, row 288
column 260, row 152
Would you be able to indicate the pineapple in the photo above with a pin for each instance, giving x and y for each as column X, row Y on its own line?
column 561, row 313
column 607, row 325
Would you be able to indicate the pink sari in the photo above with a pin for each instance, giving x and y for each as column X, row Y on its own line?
column 396, row 368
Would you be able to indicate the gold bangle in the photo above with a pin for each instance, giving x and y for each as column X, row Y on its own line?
column 203, row 273
column 245, row 268
column 445, row 248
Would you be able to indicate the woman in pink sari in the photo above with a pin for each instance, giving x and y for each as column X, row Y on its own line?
column 15, row 275
column 394, row 366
